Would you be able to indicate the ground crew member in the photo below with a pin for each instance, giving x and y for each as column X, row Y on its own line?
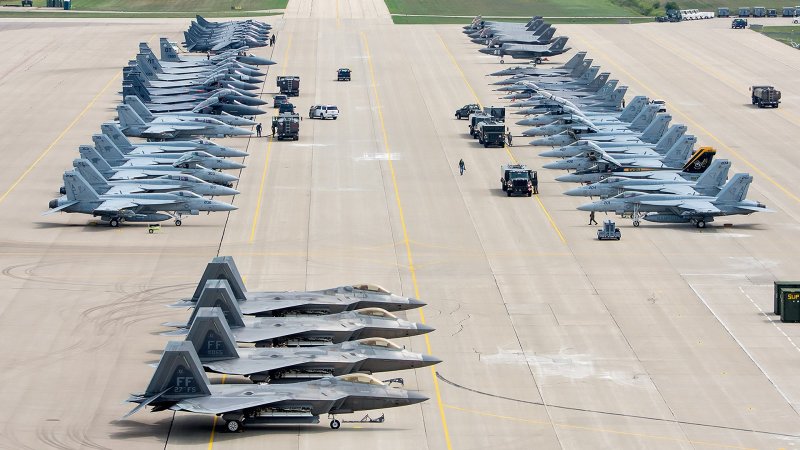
column 273, row 129
column 208, row 55
column 461, row 166
column 258, row 130
column 508, row 137
column 591, row 218
column 535, row 183
column 273, row 39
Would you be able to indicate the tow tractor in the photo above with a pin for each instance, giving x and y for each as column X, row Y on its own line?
column 609, row 231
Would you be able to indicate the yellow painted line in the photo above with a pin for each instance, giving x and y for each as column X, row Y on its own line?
column 257, row 212
column 508, row 150
column 406, row 241
column 736, row 154
column 596, row 429
column 59, row 137
column 214, row 426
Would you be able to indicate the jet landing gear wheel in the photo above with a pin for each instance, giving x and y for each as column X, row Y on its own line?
column 636, row 223
column 335, row 424
column 233, row 426
column 537, row 61
column 113, row 223
column 501, row 61
column 178, row 222
column 701, row 223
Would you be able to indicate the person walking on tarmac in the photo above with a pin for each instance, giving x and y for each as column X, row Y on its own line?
column 508, row 136
column 461, row 166
column 273, row 129
column 258, row 130
column 591, row 218
column 535, row 183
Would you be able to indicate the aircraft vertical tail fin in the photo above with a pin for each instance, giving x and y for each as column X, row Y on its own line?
column 119, row 139
column 78, row 189
column 598, row 82
column 735, row 190
column 580, row 69
column 108, row 150
column 587, row 76
column 713, row 178
column 128, row 117
column 670, row 138
column 211, row 336
column 634, row 107
column 700, row 161
column 222, row 268
column 644, row 118
column 89, row 153
column 145, row 67
column 136, row 104
column 90, row 173
column 547, row 34
column 179, row 374
column 533, row 24
column 218, row 294
column 680, row 152
column 656, row 129
column 575, row 61
column 168, row 52
column 543, row 26
column 559, row 43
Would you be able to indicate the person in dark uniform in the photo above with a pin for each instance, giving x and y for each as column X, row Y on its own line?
column 258, row 130
column 591, row 218
column 535, row 183
column 461, row 166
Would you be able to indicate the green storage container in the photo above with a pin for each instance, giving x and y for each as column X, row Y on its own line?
column 790, row 305
column 776, row 309
column 67, row 5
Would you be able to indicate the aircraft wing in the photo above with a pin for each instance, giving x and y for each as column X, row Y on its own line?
column 170, row 129
column 218, row 404
column 755, row 208
column 141, row 188
column 689, row 206
column 64, row 206
column 114, row 206
column 675, row 189
column 265, row 305
column 255, row 333
column 246, row 366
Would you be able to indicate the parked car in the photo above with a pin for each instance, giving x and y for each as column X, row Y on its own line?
column 323, row 112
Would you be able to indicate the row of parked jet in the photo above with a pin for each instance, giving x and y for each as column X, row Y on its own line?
column 204, row 35
column 534, row 40
column 629, row 155
column 309, row 353
column 176, row 103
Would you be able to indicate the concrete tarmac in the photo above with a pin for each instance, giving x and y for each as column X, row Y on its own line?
column 550, row 339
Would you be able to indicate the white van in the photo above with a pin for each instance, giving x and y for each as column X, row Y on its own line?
column 323, row 112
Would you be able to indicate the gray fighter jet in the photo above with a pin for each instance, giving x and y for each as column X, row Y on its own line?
column 133, row 125
column 204, row 35
column 111, row 129
column 562, row 70
column 81, row 198
column 628, row 114
column 305, row 330
column 710, row 182
column 621, row 135
column 280, row 303
column 534, row 52
column 169, row 54
column 675, row 158
column 215, row 344
column 638, row 124
column 180, row 384
column 696, row 209
column 164, row 183
column 150, row 117
column 670, row 137
column 115, row 157
column 131, row 172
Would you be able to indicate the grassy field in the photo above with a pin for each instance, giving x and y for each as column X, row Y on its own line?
column 787, row 34
column 555, row 8
column 226, row 7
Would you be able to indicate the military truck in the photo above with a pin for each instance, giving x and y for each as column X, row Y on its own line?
column 343, row 74
column 497, row 112
column 759, row 11
column 765, row 96
column 287, row 126
column 466, row 110
column 474, row 119
column 516, row 179
column 723, row 11
column 289, row 85
column 491, row 133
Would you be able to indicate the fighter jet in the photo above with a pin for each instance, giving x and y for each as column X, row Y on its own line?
column 180, row 384
column 240, row 76
column 544, row 38
column 164, row 183
column 697, row 164
column 214, row 102
column 150, row 117
column 133, row 125
column 115, row 157
column 81, row 198
column 111, row 129
column 281, row 303
column 675, row 158
column 638, row 124
column 628, row 114
column 622, row 135
column 213, row 340
column 224, row 59
column 573, row 75
column 710, row 182
column 696, row 209
column 216, row 36
column 130, row 172
column 670, row 137
column 534, row 52
column 303, row 330
column 562, row 70
column 169, row 54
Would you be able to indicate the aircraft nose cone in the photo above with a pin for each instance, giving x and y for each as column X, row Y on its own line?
column 589, row 207
column 233, row 153
column 232, row 165
column 430, row 360
column 416, row 303
column 240, row 132
column 223, row 190
column 487, row 51
column 577, row 192
column 570, row 178
column 219, row 206
column 415, row 397
column 550, row 154
column 423, row 328
column 554, row 165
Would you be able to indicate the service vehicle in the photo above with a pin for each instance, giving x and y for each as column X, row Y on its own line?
column 285, row 108
column 695, row 14
column 609, row 231
column 343, row 74
column 466, row 110
column 496, row 112
column 739, row 23
column 491, row 133
column 475, row 119
column 516, row 179
column 788, row 11
column 723, row 11
column 289, row 85
column 278, row 100
column 287, row 126
column 662, row 105
column 744, row 11
column 765, row 96
column 323, row 112
column 772, row 12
